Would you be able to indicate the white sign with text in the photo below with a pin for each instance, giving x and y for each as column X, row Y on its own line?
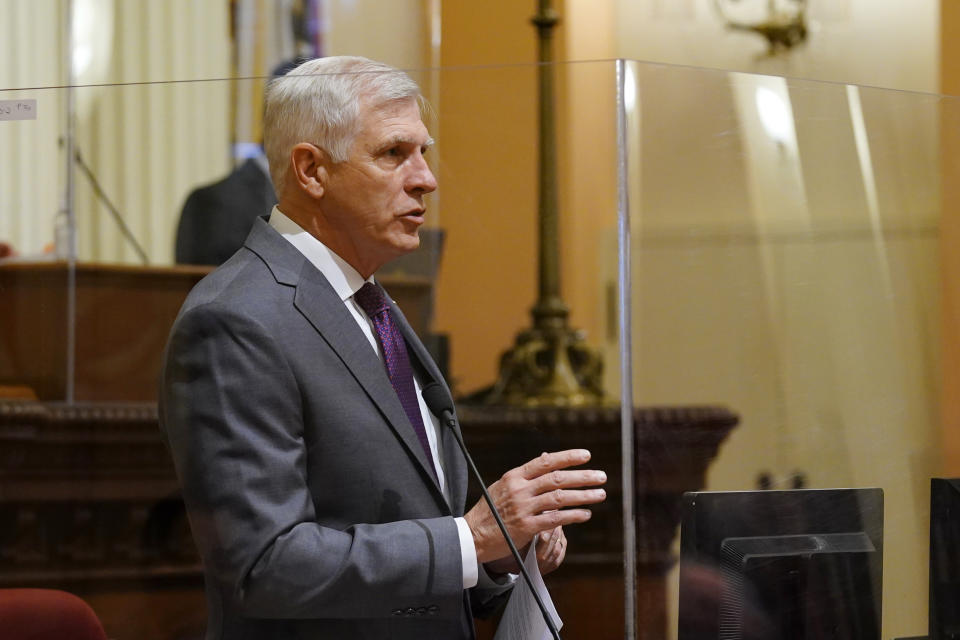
column 18, row 109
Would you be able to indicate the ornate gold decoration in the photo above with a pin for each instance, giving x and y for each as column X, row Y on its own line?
column 550, row 365
column 782, row 23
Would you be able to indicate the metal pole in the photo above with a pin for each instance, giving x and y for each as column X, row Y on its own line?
column 71, row 218
column 626, row 365
column 545, row 21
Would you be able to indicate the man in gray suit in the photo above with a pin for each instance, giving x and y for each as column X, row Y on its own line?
column 325, row 499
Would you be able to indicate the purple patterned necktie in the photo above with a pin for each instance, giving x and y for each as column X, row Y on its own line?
column 371, row 299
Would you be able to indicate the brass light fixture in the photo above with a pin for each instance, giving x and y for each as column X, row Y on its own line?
column 781, row 22
column 550, row 364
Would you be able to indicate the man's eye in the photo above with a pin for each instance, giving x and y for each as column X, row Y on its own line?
column 393, row 152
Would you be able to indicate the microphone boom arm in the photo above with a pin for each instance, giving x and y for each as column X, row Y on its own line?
column 446, row 416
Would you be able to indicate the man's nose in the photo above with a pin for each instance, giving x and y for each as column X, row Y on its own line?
column 421, row 178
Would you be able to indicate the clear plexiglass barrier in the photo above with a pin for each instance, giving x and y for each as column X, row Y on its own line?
column 786, row 263
column 774, row 246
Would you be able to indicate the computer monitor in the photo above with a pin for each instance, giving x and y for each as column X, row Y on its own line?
column 944, row 559
column 781, row 565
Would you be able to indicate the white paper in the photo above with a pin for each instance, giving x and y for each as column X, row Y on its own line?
column 522, row 619
column 18, row 109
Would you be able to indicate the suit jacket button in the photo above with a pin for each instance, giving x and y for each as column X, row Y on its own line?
column 421, row 611
column 410, row 611
column 397, row 612
column 432, row 610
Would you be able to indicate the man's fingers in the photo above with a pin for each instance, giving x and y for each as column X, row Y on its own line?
column 560, row 498
column 561, row 551
column 550, row 554
column 567, row 480
column 557, row 551
column 545, row 544
column 552, row 519
column 548, row 543
column 547, row 462
column 527, row 494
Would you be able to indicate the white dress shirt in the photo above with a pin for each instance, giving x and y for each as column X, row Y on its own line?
column 346, row 281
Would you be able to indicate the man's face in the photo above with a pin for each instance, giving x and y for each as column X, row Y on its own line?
column 374, row 200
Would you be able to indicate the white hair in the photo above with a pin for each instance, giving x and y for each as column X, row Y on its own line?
column 319, row 102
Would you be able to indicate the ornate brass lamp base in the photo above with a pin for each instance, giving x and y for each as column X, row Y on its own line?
column 550, row 365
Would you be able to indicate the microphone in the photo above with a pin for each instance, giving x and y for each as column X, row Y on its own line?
column 441, row 405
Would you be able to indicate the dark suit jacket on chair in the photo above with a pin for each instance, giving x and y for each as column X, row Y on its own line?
column 309, row 496
column 217, row 218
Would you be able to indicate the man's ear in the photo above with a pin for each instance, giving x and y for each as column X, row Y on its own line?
column 308, row 164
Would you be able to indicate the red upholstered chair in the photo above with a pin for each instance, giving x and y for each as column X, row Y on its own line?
column 47, row 614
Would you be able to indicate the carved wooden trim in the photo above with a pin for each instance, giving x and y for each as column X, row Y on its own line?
column 88, row 494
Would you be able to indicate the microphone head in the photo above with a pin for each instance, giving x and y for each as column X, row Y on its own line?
column 438, row 400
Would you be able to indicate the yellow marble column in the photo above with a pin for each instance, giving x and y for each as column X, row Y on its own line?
column 950, row 232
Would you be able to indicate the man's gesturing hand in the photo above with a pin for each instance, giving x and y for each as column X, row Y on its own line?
column 531, row 499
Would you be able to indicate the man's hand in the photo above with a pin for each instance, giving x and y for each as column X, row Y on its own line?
column 531, row 499
column 551, row 550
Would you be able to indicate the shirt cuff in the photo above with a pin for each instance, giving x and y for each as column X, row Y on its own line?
column 468, row 554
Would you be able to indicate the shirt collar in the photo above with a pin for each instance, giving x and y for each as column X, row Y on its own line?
column 344, row 279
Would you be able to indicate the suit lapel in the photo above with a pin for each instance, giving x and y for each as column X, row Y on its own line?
column 323, row 308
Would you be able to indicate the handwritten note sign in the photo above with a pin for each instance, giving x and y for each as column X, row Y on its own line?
column 18, row 109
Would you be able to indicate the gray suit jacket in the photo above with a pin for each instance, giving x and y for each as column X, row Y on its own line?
column 216, row 218
column 309, row 496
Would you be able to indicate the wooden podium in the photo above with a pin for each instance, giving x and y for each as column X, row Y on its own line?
column 123, row 316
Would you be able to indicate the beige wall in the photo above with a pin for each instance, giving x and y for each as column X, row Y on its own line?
column 392, row 32
column 487, row 183
column 588, row 169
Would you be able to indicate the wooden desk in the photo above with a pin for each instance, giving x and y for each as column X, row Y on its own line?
column 123, row 316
